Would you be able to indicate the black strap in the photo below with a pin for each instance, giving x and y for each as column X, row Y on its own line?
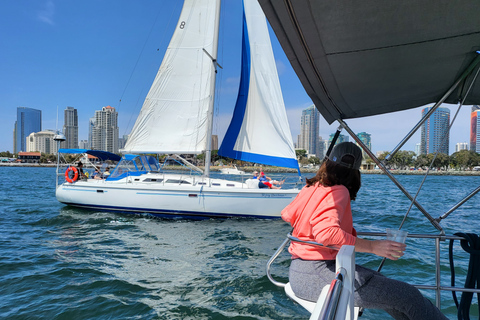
column 471, row 244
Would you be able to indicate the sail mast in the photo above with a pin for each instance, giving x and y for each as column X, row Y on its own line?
column 213, row 55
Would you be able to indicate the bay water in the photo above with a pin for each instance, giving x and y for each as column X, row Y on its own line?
column 60, row 262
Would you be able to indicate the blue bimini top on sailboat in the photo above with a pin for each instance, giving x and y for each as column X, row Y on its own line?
column 102, row 155
column 259, row 130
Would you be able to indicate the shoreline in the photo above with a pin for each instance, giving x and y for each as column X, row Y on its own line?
column 250, row 169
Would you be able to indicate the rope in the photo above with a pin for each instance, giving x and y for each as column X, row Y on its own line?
column 471, row 244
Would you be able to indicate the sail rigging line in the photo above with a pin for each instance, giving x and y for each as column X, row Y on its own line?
column 138, row 59
column 389, row 174
column 431, row 164
column 444, row 139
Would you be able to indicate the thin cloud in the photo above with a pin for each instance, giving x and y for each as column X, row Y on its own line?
column 47, row 13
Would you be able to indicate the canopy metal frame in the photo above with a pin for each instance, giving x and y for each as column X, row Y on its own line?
column 435, row 222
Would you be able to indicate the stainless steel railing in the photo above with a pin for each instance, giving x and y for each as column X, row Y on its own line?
column 333, row 297
column 438, row 287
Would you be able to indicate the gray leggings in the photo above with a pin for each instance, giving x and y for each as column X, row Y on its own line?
column 372, row 290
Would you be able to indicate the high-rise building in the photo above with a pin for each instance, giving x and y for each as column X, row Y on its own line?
column 70, row 128
column 461, row 146
column 91, row 125
column 105, row 130
column 321, row 148
column 366, row 139
column 475, row 130
column 42, row 142
column 417, row 149
column 28, row 120
column 435, row 136
column 214, row 142
column 83, row 144
column 341, row 138
column 309, row 130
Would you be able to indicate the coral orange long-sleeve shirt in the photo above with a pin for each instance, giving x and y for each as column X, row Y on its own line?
column 320, row 214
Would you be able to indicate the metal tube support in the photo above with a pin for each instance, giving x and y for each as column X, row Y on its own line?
column 464, row 75
column 387, row 172
column 270, row 261
column 438, row 296
column 333, row 296
column 455, row 207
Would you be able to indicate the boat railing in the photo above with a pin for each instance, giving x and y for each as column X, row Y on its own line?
column 336, row 299
column 438, row 238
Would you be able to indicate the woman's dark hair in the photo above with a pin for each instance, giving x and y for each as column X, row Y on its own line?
column 331, row 174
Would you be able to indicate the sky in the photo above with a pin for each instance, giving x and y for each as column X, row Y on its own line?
column 90, row 54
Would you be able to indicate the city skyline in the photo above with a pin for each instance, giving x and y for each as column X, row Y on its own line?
column 62, row 55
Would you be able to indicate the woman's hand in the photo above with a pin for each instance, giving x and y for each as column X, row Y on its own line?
column 388, row 249
column 383, row 248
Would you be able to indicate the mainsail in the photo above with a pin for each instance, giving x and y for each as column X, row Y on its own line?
column 175, row 115
column 259, row 130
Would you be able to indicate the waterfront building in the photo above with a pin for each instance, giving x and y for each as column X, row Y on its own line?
column 366, row 139
column 434, row 134
column 83, row 144
column 321, row 148
column 105, row 130
column 417, row 149
column 341, row 138
column 28, row 157
column 28, row 120
column 214, row 142
column 309, row 130
column 91, row 125
column 70, row 128
column 475, row 130
column 42, row 142
column 461, row 146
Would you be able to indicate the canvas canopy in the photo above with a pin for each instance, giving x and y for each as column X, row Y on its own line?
column 364, row 58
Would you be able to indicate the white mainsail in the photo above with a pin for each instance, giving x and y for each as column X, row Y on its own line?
column 175, row 115
column 259, row 131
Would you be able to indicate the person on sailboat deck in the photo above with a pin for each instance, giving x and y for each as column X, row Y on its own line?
column 321, row 212
column 106, row 173
column 264, row 183
column 81, row 174
column 97, row 175
column 261, row 185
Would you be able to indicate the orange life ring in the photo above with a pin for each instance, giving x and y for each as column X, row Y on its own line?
column 67, row 174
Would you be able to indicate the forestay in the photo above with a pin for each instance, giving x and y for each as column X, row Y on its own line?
column 358, row 59
column 259, row 131
column 174, row 116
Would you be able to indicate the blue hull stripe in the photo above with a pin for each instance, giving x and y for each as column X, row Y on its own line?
column 169, row 213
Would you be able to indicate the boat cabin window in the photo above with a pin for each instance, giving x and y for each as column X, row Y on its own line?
column 134, row 165
column 152, row 180
column 152, row 162
column 177, row 181
column 139, row 164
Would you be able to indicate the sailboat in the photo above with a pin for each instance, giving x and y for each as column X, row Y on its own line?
column 360, row 59
column 176, row 118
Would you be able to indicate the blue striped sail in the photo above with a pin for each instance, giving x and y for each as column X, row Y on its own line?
column 259, row 131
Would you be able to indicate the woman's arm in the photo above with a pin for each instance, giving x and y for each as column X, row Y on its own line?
column 383, row 248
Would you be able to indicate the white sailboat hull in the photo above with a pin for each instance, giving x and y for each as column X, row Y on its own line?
column 194, row 197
